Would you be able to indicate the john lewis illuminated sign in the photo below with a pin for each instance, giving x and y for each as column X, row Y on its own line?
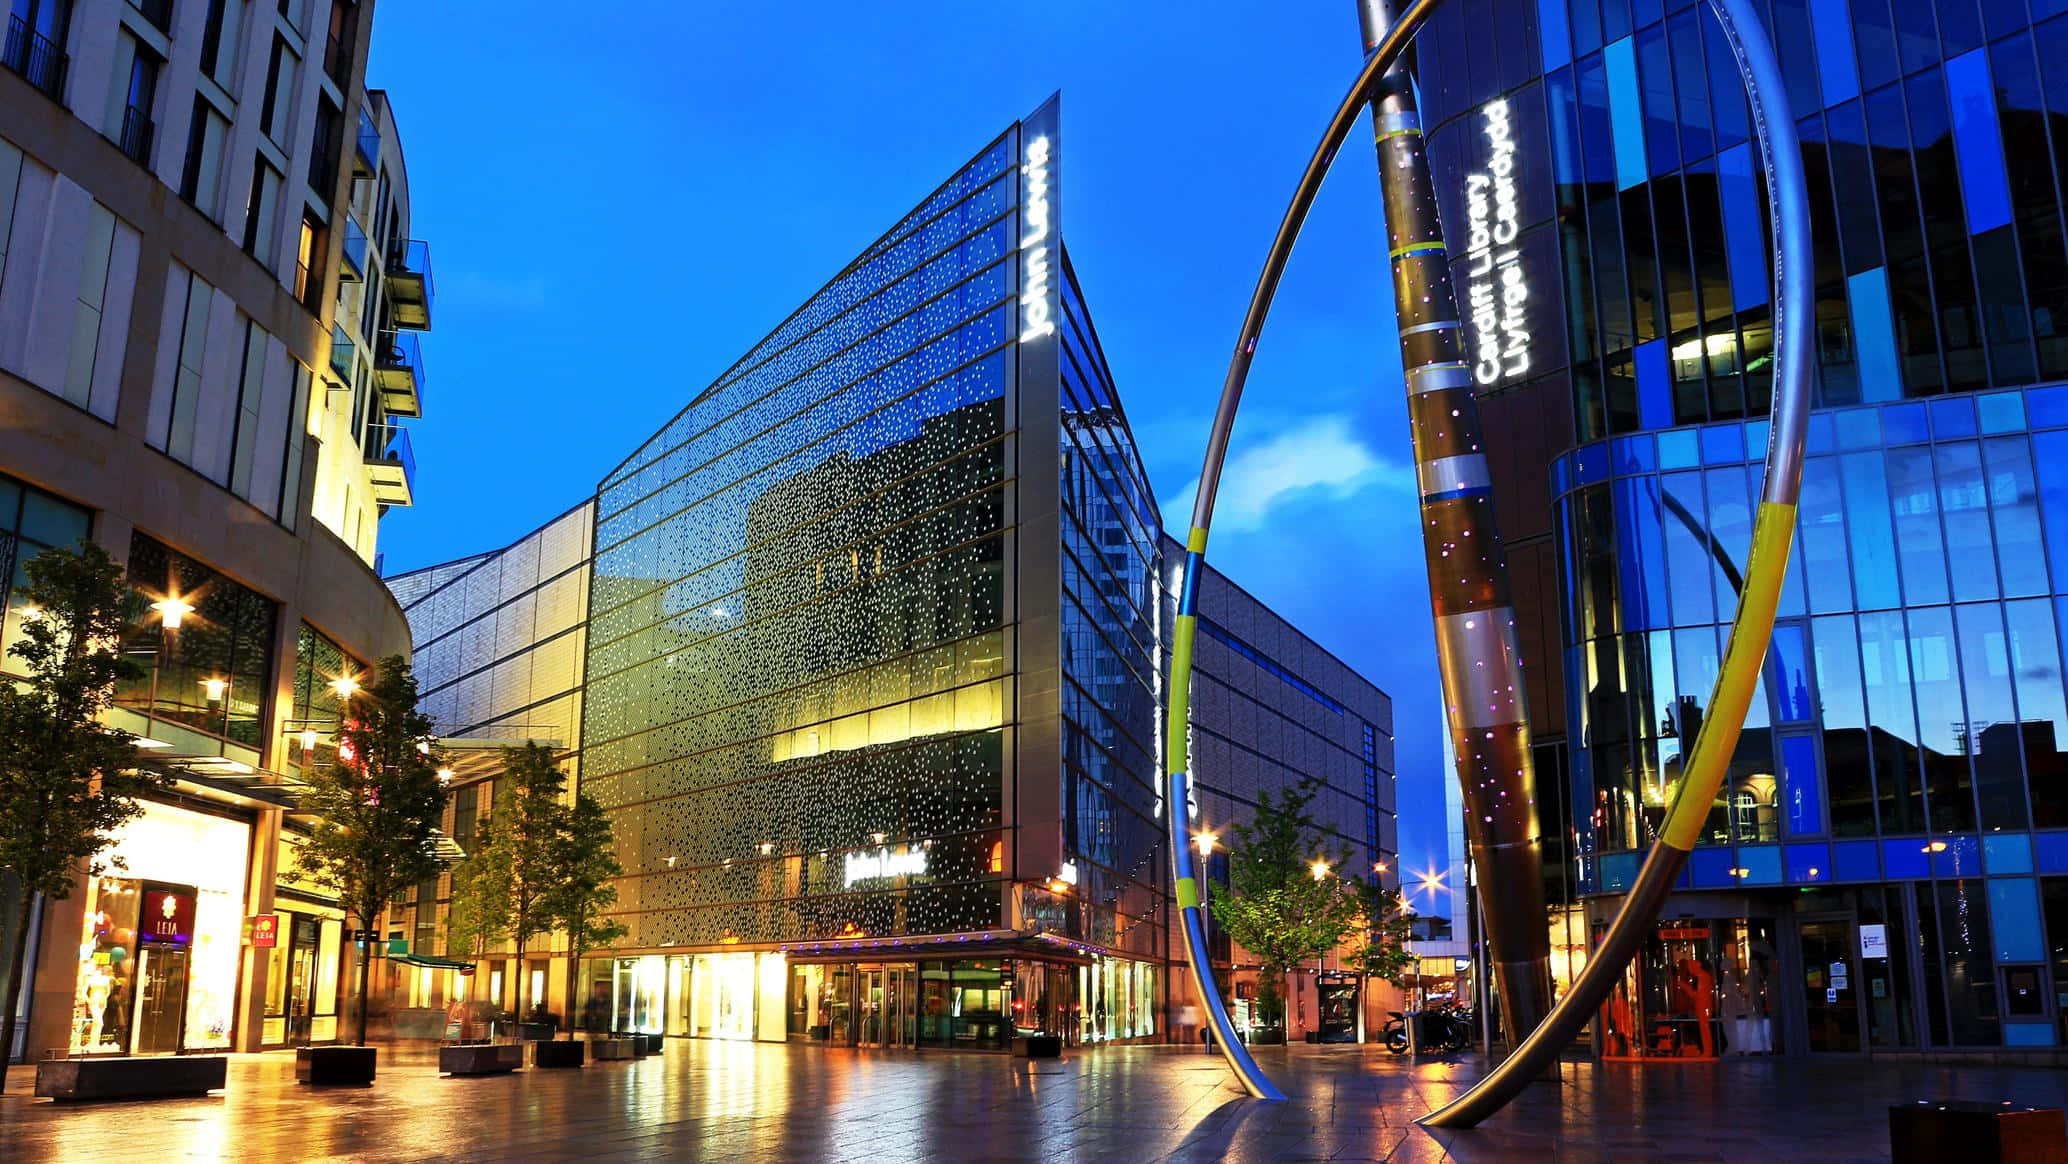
column 883, row 864
column 1036, row 267
column 1497, row 293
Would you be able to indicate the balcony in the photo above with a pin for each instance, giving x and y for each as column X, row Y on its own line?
column 390, row 464
column 137, row 131
column 409, row 284
column 353, row 268
column 37, row 58
column 341, row 354
column 366, row 148
column 399, row 371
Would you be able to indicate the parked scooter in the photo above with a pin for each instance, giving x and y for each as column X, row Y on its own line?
column 1440, row 1030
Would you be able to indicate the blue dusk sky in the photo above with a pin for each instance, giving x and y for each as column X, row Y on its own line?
column 618, row 207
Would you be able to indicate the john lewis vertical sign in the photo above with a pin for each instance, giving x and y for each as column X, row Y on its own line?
column 1496, row 290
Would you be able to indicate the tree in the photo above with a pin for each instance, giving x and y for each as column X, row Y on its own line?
column 503, row 890
column 584, row 864
column 67, row 781
column 1284, row 903
column 377, row 808
column 1388, row 928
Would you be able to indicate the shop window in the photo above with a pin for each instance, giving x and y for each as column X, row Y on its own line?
column 210, row 668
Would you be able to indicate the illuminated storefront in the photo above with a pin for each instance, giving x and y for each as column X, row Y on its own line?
column 1699, row 988
column 159, row 952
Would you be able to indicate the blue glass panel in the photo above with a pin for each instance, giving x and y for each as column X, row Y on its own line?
column 1809, row 863
column 1956, row 856
column 2007, row 852
column 1905, row 858
column 1712, row 868
column 1856, row 861
column 1756, row 434
column 1872, row 538
column 1744, row 228
column 1859, row 428
column 1904, row 424
column 2052, row 852
column 1553, row 34
column 1640, row 561
column 1561, row 476
column 1953, row 416
column 2014, row 915
column 1805, row 810
column 1823, row 433
column 1831, row 24
column 2028, row 1034
column 2050, row 456
column 1633, row 454
column 2001, row 412
column 1617, row 871
column 2014, row 508
column 1978, row 142
column 1787, row 671
column 1679, row 449
column 2048, row 407
column 1723, row 444
column 1626, row 113
column 1590, row 464
column 1761, row 863
column 1654, row 386
column 1874, row 339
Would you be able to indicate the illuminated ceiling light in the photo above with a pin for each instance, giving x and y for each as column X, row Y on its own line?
column 1205, row 842
column 445, row 775
column 879, row 838
column 345, row 686
column 308, row 739
column 767, row 847
column 171, row 611
column 1935, row 847
column 215, row 688
column 1741, row 872
column 1378, row 866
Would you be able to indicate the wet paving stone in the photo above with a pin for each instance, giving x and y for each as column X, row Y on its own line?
column 757, row 1102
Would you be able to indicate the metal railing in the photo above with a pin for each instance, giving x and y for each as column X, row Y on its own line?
column 137, row 130
column 34, row 56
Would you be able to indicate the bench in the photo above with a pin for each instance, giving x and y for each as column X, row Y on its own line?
column 334, row 1066
column 480, row 1058
column 558, row 1053
column 131, row 1077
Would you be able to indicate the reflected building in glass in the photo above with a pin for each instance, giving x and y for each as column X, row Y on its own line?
column 868, row 673
column 1886, row 866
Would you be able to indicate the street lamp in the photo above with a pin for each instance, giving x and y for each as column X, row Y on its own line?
column 1205, row 842
column 1319, row 869
column 444, row 775
column 171, row 611
column 215, row 688
column 345, row 686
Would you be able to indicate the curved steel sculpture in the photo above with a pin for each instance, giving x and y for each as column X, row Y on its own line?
column 1752, row 626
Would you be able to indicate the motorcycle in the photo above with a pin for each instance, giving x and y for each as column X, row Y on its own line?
column 1439, row 1030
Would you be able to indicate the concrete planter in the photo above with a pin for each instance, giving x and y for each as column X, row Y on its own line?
column 1037, row 1046
column 480, row 1058
column 653, row 1044
column 150, row 1077
column 558, row 1053
column 604, row 1049
column 334, row 1066
column 642, row 1044
column 1931, row 1130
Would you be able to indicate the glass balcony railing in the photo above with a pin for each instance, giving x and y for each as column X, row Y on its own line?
column 34, row 56
column 353, row 269
column 390, row 464
column 366, row 149
column 409, row 283
column 341, row 354
column 137, row 131
column 399, row 368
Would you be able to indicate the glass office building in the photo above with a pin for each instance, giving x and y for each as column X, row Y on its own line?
column 869, row 671
column 1885, row 868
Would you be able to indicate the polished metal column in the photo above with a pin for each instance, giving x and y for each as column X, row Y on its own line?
column 1477, row 656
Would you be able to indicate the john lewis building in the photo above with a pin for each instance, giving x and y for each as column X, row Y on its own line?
column 1887, row 867
column 867, row 662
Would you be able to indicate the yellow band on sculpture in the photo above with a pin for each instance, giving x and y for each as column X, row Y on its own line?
column 1736, row 679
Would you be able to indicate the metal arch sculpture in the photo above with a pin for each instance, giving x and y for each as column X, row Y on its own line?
column 1450, row 478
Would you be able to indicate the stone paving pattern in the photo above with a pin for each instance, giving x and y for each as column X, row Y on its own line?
column 704, row 1100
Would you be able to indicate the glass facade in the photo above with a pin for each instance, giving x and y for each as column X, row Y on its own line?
column 1888, row 819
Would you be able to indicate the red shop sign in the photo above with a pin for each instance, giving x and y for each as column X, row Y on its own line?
column 166, row 917
column 265, row 930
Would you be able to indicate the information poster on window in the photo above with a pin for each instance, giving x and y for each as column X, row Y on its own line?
column 1874, row 941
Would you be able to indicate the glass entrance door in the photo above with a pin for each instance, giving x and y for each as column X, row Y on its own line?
column 301, row 977
column 161, row 1000
column 887, row 1005
column 1830, row 984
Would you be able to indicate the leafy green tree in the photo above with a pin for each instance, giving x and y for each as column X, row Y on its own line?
column 67, row 781
column 1285, row 904
column 515, row 865
column 1388, row 928
column 584, row 864
column 377, row 808
column 480, row 917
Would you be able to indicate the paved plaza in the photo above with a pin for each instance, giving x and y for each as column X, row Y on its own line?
column 758, row 1102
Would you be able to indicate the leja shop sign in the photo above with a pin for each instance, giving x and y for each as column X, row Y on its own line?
column 166, row 917
column 1496, row 291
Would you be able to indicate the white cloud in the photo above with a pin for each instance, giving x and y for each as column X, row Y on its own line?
column 1321, row 456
